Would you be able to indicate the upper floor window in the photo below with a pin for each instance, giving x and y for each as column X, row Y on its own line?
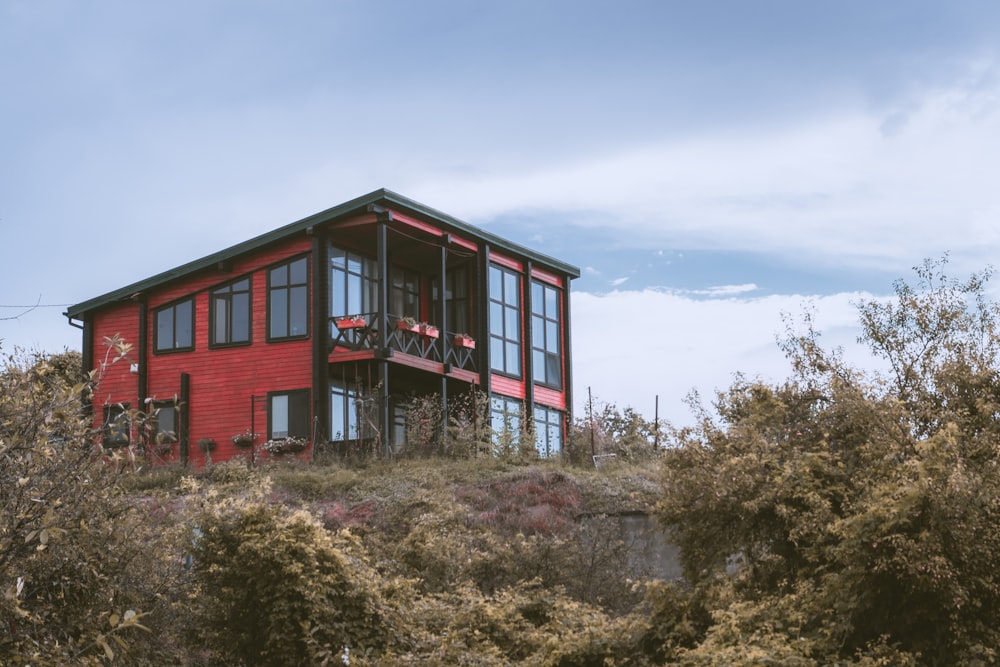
column 288, row 300
column 404, row 292
column 505, row 320
column 288, row 415
column 456, row 295
column 230, row 316
column 546, row 360
column 175, row 326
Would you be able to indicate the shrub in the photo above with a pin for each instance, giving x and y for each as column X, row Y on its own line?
column 275, row 589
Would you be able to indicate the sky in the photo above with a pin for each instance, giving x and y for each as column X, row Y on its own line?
column 711, row 166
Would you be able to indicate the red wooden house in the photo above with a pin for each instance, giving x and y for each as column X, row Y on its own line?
column 325, row 330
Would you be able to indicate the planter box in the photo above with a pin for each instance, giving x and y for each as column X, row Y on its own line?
column 350, row 323
column 468, row 342
column 429, row 330
column 402, row 325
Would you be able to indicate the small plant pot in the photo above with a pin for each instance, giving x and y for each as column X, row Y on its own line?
column 468, row 342
column 206, row 444
column 429, row 331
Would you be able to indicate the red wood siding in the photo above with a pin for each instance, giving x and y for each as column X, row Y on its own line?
column 546, row 277
column 222, row 380
column 115, row 382
column 552, row 398
column 511, row 387
column 508, row 262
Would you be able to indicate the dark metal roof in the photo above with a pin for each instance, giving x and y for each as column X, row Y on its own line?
column 382, row 197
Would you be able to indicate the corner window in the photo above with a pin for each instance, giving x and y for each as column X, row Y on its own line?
column 505, row 321
column 117, row 427
column 288, row 415
column 505, row 423
column 230, row 314
column 175, row 327
column 548, row 431
column 288, row 300
column 546, row 360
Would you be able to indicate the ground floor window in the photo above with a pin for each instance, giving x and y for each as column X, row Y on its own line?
column 506, row 422
column 117, row 426
column 288, row 415
column 164, row 423
column 548, row 431
column 344, row 417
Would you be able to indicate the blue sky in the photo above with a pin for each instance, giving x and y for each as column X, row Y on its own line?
column 708, row 165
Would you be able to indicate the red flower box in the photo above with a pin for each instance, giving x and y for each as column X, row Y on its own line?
column 350, row 323
column 461, row 340
column 429, row 330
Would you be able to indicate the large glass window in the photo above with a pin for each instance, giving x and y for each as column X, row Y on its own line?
column 548, row 431
column 505, row 321
column 546, row 360
column 344, row 416
column 457, row 300
column 288, row 300
column 175, row 327
column 288, row 414
column 404, row 292
column 230, row 316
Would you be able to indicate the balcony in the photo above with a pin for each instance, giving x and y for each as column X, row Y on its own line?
column 416, row 344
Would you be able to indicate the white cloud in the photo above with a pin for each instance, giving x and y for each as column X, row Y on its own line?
column 836, row 187
column 630, row 346
column 618, row 282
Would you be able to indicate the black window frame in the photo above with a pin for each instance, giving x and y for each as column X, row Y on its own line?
column 546, row 336
column 287, row 288
column 302, row 410
column 226, row 294
column 501, row 329
column 172, row 308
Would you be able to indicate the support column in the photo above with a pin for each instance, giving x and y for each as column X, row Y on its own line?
column 483, row 324
column 446, row 340
column 320, row 337
column 381, row 361
column 526, row 344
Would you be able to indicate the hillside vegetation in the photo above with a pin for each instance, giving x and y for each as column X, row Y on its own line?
column 841, row 517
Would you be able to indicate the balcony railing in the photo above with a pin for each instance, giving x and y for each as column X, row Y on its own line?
column 405, row 335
